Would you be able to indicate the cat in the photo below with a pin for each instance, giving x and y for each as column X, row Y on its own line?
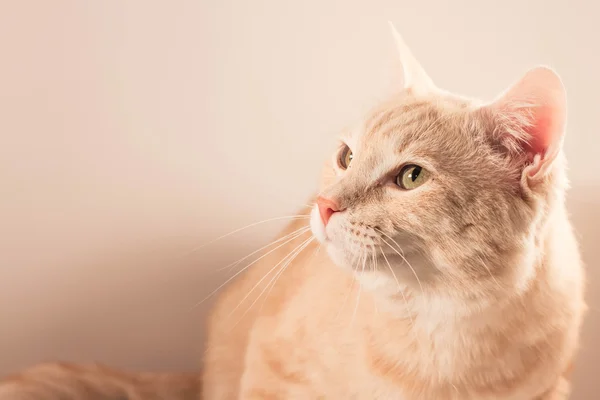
column 438, row 262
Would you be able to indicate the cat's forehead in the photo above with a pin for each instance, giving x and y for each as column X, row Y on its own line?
column 405, row 122
column 410, row 130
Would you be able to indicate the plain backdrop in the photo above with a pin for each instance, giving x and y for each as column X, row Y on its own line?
column 133, row 131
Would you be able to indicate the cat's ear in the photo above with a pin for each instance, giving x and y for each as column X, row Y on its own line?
column 530, row 118
column 415, row 78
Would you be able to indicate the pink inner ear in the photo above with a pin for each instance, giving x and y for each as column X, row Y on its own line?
column 543, row 94
column 542, row 133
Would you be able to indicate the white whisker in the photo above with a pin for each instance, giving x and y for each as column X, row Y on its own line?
column 242, row 270
column 281, row 272
column 359, row 288
column 399, row 287
column 357, row 258
column 297, row 232
column 392, row 271
column 374, row 260
column 490, row 272
column 292, row 217
column 402, row 256
column 290, row 257
column 408, row 308
column 391, row 239
column 374, row 267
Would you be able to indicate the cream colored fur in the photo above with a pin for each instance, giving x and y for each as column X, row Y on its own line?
column 467, row 287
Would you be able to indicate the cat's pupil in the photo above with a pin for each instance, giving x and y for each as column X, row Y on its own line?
column 415, row 173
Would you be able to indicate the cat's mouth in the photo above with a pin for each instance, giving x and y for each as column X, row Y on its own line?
column 350, row 238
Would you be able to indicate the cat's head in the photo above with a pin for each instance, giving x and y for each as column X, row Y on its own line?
column 443, row 188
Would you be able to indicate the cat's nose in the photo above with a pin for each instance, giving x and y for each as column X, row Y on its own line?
column 327, row 208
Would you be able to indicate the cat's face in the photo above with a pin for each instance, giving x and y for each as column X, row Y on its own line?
column 435, row 189
column 418, row 178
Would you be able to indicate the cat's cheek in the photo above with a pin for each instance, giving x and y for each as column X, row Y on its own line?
column 316, row 225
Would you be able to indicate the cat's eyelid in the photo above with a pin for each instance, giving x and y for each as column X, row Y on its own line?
column 421, row 162
column 343, row 143
column 409, row 155
column 348, row 139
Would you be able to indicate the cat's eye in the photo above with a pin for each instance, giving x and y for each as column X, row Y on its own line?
column 412, row 176
column 345, row 157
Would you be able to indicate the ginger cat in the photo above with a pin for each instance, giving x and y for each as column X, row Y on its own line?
column 440, row 264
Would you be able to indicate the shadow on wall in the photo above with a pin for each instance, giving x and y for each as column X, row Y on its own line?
column 140, row 308
column 150, row 321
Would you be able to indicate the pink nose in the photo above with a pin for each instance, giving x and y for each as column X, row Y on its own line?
column 327, row 208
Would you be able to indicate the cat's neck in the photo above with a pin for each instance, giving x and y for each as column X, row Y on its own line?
column 457, row 336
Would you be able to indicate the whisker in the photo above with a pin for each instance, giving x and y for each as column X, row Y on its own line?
column 359, row 288
column 374, row 267
column 408, row 309
column 317, row 250
column 297, row 232
column 209, row 347
column 356, row 258
column 242, row 270
column 292, row 217
column 490, row 272
column 391, row 239
column 290, row 257
column 407, row 263
column 374, row 260
column 267, row 274
column 391, row 270
column 401, row 255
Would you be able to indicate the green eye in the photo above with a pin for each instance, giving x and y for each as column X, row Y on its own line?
column 345, row 158
column 412, row 176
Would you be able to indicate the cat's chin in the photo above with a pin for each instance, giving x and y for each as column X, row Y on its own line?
column 339, row 257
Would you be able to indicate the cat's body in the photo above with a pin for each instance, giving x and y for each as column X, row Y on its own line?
column 447, row 268
column 319, row 334
column 345, row 347
column 315, row 336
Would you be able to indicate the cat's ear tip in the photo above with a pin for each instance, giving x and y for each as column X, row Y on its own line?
column 394, row 31
column 546, row 76
column 545, row 69
column 415, row 77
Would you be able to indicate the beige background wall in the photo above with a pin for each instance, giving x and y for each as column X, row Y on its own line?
column 132, row 131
